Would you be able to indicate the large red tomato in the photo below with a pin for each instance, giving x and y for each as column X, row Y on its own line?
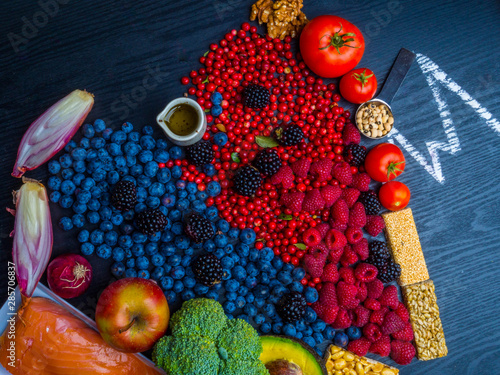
column 384, row 162
column 331, row 46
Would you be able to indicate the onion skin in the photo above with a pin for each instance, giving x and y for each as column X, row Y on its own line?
column 69, row 275
column 50, row 132
column 32, row 234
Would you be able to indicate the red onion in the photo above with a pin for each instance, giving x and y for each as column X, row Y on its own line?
column 52, row 131
column 32, row 235
column 69, row 275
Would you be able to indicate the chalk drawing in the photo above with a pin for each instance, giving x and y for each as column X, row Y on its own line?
column 435, row 77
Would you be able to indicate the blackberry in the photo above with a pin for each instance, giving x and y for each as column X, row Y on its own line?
column 389, row 272
column 151, row 221
column 207, row 269
column 370, row 200
column 200, row 153
column 199, row 228
column 124, row 195
column 379, row 254
column 268, row 162
column 255, row 96
column 291, row 307
column 355, row 154
column 289, row 136
column 247, row 180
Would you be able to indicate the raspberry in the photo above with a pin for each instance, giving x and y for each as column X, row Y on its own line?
column 334, row 224
column 374, row 225
column 314, row 262
column 405, row 334
column 359, row 346
column 365, row 272
column 301, row 167
column 361, row 248
column 321, row 169
column 372, row 332
column 350, row 134
column 293, row 201
column 372, row 304
column 335, row 239
column 349, row 257
column 350, row 196
column 379, row 315
column 284, row 176
column 371, row 202
column 330, row 194
column 330, row 273
column 402, row 352
column 311, row 237
column 353, row 235
column 357, row 216
column 340, row 211
column 375, row 289
column 346, row 295
column 322, row 228
column 328, row 315
column 328, row 295
column 389, row 297
column 361, row 316
column 402, row 312
column 362, row 291
column 382, row 346
column 347, row 274
column 313, row 201
column 335, row 255
column 342, row 172
column 361, row 181
column 342, row 321
column 392, row 323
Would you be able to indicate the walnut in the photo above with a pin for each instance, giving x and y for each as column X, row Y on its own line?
column 286, row 10
column 261, row 10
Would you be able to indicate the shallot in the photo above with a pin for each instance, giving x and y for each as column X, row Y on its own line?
column 52, row 131
column 69, row 275
column 32, row 235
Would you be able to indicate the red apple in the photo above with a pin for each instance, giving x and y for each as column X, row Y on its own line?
column 132, row 314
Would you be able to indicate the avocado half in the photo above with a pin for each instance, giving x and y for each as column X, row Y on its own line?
column 292, row 350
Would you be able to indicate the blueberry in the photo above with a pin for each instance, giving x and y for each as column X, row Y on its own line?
column 118, row 254
column 213, row 294
column 117, row 218
column 318, row 326
column 307, row 331
column 143, row 181
column 79, row 166
column 250, row 298
column 277, row 327
column 111, row 238
column 174, row 260
column 130, row 272
column 55, row 196
column 153, row 202
column 54, row 167
column 202, row 196
column 144, row 274
column 311, row 295
column 88, row 130
column 142, row 262
column 265, row 327
column 118, row 269
column 147, row 142
column 145, row 156
column 201, row 289
column 310, row 315
column 87, row 248
column 54, row 183
column 216, row 98
column 131, row 160
column 240, row 302
column 66, row 223
column 147, row 130
column 174, row 215
column 264, row 278
column 105, row 213
column 220, row 139
column 182, row 205
column 151, row 248
column 79, row 154
column 125, row 241
column 78, row 220
column 127, row 127
column 65, row 161
column 341, row 339
column 139, row 237
column 166, row 282
column 242, row 250
column 211, row 213
column 252, row 269
column 99, row 175
column 178, row 286
column 216, row 110
column 130, row 262
column 93, row 217
column 104, row 251
column 284, row 277
column 176, row 153
column 99, row 125
column 163, row 176
column 289, row 330
column 118, row 137
column 161, row 156
column 70, row 146
column 187, row 295
column 229, row 307
column 296, row 287
column 181, row 194
column 78, row 178
column 157, row 273
column 182, row 242
column 288, row 267
column 232, row 285
column 277, row 263
column 134, row 136
column 209, row 170
column 177, row 228
column 91, row 155
column 309, row 341
column 353, row 333
column 231, row 296
column 68, row 187
column 97, row 143
column 298, row 273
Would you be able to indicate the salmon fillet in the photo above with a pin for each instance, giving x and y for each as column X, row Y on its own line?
column 51, row 341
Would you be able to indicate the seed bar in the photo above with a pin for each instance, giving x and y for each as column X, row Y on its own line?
column 422, row 305
column 339, row 360
column 402, row 239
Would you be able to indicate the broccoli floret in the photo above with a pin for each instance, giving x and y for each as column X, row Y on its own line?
column 199, row 317
column 240, row 340
column 234, row 367
column 186, row 356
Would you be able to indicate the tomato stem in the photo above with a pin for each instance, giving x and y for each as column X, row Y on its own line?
column 392, row 168
column 337, row 40
column 362, row 77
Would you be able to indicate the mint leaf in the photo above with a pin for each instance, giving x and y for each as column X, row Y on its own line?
column 285, row 217
column 235, row 157
column 266, row 142
column 301, row 246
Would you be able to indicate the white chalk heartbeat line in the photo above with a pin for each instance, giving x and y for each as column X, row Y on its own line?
column 436, row 77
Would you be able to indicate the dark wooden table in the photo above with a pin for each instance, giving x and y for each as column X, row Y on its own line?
column 447, row 120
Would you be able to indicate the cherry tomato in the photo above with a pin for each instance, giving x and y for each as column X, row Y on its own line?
column 394, row 195
column 385, row 162
column 331, row 46
column 358, row 86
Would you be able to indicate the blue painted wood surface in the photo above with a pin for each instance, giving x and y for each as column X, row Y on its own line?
column 112, row 48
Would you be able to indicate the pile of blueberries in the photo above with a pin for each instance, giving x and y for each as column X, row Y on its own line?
column 254, row 280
